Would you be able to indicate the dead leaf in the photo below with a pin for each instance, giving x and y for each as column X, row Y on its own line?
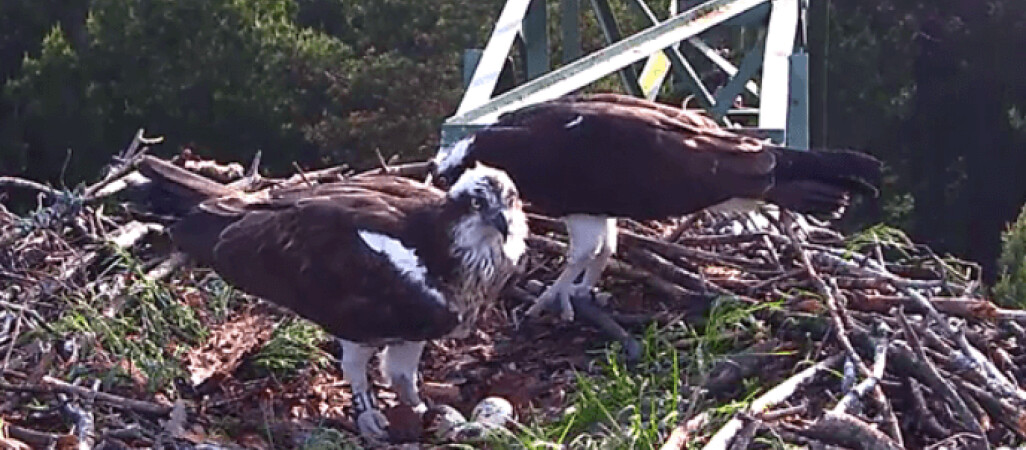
column 445, row 393
column 253, row 440
column 404, row 425
column 228, row 344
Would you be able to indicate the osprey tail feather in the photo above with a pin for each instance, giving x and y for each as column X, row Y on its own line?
column 820, row 181
column 174, row 190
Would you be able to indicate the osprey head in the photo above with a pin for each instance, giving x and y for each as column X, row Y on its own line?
column 451, row 162
column 490, row 210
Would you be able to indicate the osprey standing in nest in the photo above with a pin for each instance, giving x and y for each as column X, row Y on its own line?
column 380, row 261
column 592, row 158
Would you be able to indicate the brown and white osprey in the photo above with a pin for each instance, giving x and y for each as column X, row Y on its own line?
column 380, row 261
column 592, row 158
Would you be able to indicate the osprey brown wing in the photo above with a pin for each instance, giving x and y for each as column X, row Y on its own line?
column 308, row 255
column 623, row 161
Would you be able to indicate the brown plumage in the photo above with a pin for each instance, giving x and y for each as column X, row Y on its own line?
column 592, row 158
column 376, row 261
column 300, row 248
column 616, row 155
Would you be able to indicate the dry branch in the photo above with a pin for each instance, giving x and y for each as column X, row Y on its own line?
column 49, row 385
column 843, row 429
column 778, row 394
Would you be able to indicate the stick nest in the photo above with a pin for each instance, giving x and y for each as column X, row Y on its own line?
column 110, row 338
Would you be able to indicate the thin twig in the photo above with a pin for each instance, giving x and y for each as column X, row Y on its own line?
column 779, row 393
column 302, row 174
column 50, row 385
column 21, row 183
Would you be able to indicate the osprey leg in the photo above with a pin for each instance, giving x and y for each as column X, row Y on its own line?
column 593, row 271
column 588, row 235
column 399, row 364
column 369, row 420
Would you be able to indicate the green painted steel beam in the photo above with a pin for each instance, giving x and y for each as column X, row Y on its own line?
column 721, row 62
column 749, row 66
column 607, row 60
column 536, row 39
column 678, row 63
column 470, row 59
column 607, row 22
column 798, row 103
column 489, row 66
column 570, row 24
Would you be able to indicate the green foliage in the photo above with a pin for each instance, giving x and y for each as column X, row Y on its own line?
column 293, row 345
column 637, row 408
column 147, row 327
column 329, row 439
column 1010, row 289
column 932, row 89
column 302, row 80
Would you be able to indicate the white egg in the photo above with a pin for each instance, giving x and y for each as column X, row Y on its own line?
column 492, row 412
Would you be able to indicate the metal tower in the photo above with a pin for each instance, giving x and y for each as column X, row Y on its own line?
column 772, row 30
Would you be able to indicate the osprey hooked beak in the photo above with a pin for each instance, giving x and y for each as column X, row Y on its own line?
column 496, row 218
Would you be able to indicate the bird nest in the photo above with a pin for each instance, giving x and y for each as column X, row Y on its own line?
column 109, row 338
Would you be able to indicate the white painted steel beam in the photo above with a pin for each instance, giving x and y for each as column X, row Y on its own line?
column 592, row 67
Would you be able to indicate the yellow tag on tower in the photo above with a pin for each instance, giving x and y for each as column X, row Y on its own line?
column 656, row 67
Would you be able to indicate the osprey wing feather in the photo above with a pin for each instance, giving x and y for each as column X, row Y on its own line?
column 590, row 158
column 375, row 261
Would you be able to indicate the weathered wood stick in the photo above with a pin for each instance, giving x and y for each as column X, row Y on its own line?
column 21, row 183
column 747, row 433
column 726, row 375
column 656, row 264
column 37, row 439
column 85, row 424
column 588, row 312
column 995, row 379
column 417, row 169
column 860, row 390
column 968, row 307
column 779, row 393
column 829, row 262
column 777, row 414
column 927, row 420
column 924, row 370
column 828, row 295
column 125, row 164
column 617, row 268
column 681, row 434
column 1012, row 417
column 50, row 385
column 847, row 430
column 671, row 250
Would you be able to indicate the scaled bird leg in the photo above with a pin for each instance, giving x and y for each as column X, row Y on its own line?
column 369, row 420
column 594, row 269
column 587, row 236
column 399, row 364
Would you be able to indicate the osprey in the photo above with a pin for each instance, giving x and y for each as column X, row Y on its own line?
column 379, row 261
column 593, row 158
